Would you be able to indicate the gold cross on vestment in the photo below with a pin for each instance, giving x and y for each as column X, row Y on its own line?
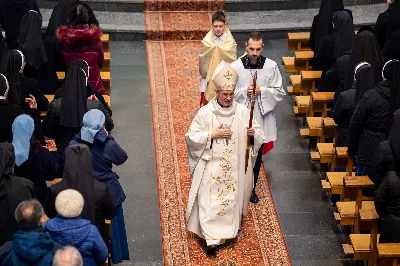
column 228, row 75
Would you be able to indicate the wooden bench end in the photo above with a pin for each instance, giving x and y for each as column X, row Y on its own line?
column 304, row 133
column 338, row 219
column 315, row 156
column 326, row 187
column 348, row 251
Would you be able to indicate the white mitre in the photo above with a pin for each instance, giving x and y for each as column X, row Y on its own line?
column 225, row 77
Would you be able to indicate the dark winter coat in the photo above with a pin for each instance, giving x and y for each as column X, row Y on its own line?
column 392, row 47
column 33, row 246
column 324, row 60
column 83, row 42
column 381, row 162
column 369, row 123
column 384, row 27
column 387, row 205
column 11, row 13
column 81, row 234
column 8, row 112
column 342, row 113
column 337, row 74
column 40, row 166
column 106, row 152
column 17, row 189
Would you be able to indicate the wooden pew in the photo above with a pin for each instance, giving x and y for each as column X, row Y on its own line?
column 320, row 127
column 105, row 40
column 317, row 102
column 298, row 41
column 301, row 61
column 358, row 213
column 388, row 253
column 308, row 80
column 105, row 76
column 107, row 62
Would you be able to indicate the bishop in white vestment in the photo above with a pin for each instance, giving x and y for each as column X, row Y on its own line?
column 269, row 93
column 217, row 142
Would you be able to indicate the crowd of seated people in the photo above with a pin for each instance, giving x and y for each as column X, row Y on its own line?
column 363, row 70
column 57, row 184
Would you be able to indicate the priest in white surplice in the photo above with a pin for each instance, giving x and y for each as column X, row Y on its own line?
column 217, row 142
column 269, row 93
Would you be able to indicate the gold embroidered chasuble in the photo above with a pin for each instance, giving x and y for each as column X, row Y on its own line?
column 211, row 55
column 220, row 190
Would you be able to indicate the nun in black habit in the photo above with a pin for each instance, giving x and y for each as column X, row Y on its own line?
column 388, row 22
column 371, row 119
column 365, row 49
column 90, row 90
column 322, row 23
column 78, row 175
column 333, row 47
column 60, row 14
column 11, row 13
column 13, row 190
column 41, row 53
column 65, row 116
column 392, row 47
column 347, row 101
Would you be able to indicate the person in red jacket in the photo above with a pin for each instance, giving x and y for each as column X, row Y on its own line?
column 79, row 40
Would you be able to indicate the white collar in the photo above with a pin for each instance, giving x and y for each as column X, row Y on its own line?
column 222, row 37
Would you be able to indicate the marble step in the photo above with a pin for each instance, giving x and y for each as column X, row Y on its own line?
column 273, row 24
column 231, row 5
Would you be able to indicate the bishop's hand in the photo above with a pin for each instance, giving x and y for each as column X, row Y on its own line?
column 221, row 133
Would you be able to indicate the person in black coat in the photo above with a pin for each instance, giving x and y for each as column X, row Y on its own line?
column 371, row 119
column 365, row 49
column 322, row 23
column 347, row 101
column 337, row 74
column 78, row 175
column 332, row 47
column 392, row 47
column 11, row 13
column 384, row 158
column 387, row 22
column 13, row 190
column 40, row 53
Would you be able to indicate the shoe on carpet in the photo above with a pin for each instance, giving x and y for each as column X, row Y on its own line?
column 254, row 198
column 211, row 250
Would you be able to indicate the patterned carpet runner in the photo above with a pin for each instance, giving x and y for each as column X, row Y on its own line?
column 174, row 32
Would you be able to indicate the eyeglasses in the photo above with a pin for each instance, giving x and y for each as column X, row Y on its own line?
column 226, row 95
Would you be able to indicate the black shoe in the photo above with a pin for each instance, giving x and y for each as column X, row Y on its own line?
column 254, row 198
column 211, row 250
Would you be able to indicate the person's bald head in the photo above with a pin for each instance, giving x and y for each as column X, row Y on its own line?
column 28, row 214
column 67, row 256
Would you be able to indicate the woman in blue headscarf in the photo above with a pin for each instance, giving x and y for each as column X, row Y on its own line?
column 32, row 161
column 106, row 152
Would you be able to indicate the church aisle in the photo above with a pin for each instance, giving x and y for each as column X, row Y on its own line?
column 174, row 86
column 133, row 130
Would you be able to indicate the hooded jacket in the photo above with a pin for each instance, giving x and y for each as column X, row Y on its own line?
column 83, row 42
column 29, row 247
column 369, row 123
column 82, row 235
